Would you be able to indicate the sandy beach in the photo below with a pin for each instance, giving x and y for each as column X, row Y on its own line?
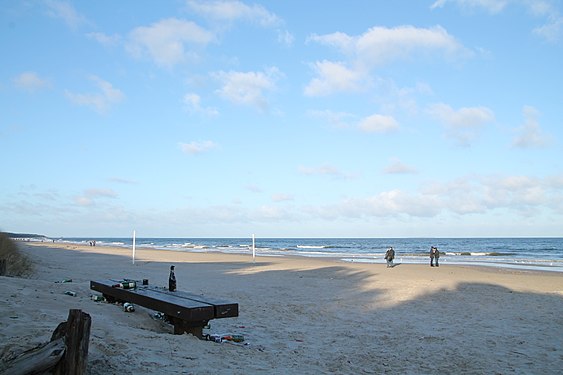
column 297, row 315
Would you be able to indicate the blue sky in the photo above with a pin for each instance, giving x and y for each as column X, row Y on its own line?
column 282, row 118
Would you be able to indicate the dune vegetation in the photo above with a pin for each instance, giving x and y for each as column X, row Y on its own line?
column 17, row 263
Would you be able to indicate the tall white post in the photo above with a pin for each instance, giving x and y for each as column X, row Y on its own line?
column 253, row 250
column 133, row 256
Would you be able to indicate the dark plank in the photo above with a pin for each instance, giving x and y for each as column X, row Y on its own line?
column 222, row 308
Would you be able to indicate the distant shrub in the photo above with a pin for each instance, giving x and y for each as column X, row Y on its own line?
column 17, row 264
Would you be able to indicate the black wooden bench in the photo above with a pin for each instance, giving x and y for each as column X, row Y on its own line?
column 186, row 311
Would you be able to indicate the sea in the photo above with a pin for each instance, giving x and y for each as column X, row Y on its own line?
column 540, row 254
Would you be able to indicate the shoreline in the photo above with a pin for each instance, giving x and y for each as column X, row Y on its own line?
column 298, row 315
column 340, row 258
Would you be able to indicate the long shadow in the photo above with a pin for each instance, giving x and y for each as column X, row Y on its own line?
column 335, row 319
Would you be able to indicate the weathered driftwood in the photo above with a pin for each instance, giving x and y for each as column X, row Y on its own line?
column 38, row 359
column 65, row 354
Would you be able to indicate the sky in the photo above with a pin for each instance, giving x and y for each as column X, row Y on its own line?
column 373, row 118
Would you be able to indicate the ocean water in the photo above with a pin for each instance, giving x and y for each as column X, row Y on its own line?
column 544, row 254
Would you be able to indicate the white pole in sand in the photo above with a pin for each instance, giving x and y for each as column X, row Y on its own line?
column 133, row 256
column 253, row 250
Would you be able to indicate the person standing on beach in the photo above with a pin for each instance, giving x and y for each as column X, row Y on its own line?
column 389, row 256
column 434, row 255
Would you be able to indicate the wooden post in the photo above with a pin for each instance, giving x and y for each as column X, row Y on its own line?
column 253, row 249
column 2, row 267
column 77, row 337
column 133, row 255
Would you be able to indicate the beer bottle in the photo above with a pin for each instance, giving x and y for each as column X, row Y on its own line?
column 172, row 280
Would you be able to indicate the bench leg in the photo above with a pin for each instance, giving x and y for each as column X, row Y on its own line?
column 196, row 331
column 180, row 326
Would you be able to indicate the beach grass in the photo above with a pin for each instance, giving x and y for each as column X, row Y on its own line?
column 17, row 263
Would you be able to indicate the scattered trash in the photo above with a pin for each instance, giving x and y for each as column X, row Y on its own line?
column 128, row 307
column 236, row 338
column 70, row 293
column 223, row 338
column 125, row 284
column 64, row 281
column 96, row 298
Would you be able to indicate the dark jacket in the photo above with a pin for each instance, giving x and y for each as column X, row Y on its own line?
column 390, row 254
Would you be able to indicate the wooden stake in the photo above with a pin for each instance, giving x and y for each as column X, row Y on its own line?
column 77, row 337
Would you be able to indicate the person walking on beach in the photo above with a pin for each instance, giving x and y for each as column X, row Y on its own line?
column 434, row 255
column 389, row 256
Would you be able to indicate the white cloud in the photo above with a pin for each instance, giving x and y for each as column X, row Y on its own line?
column 376, row 47
column 65, row 11
column 530, row 134
column 550, row 30
column 227, row 12
column 253, row 188
column 235, row 10
column 247, row 88
column 166, row 41
column 468, row 198
column 324, row 170
column 192, row 102
column 464, row 124
column 104, row 39
column 197, row 147
column 396, row 166
column 122, row 180
column 285, row 37
column 101, row 101
column 382, row 45
column 491, row 6
column 281, row 197
column 337, row 119
column 30, row 81
column 470, row 195
column 334, row 77
column 90, row 196
column 378, row 124
column 385, row 204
